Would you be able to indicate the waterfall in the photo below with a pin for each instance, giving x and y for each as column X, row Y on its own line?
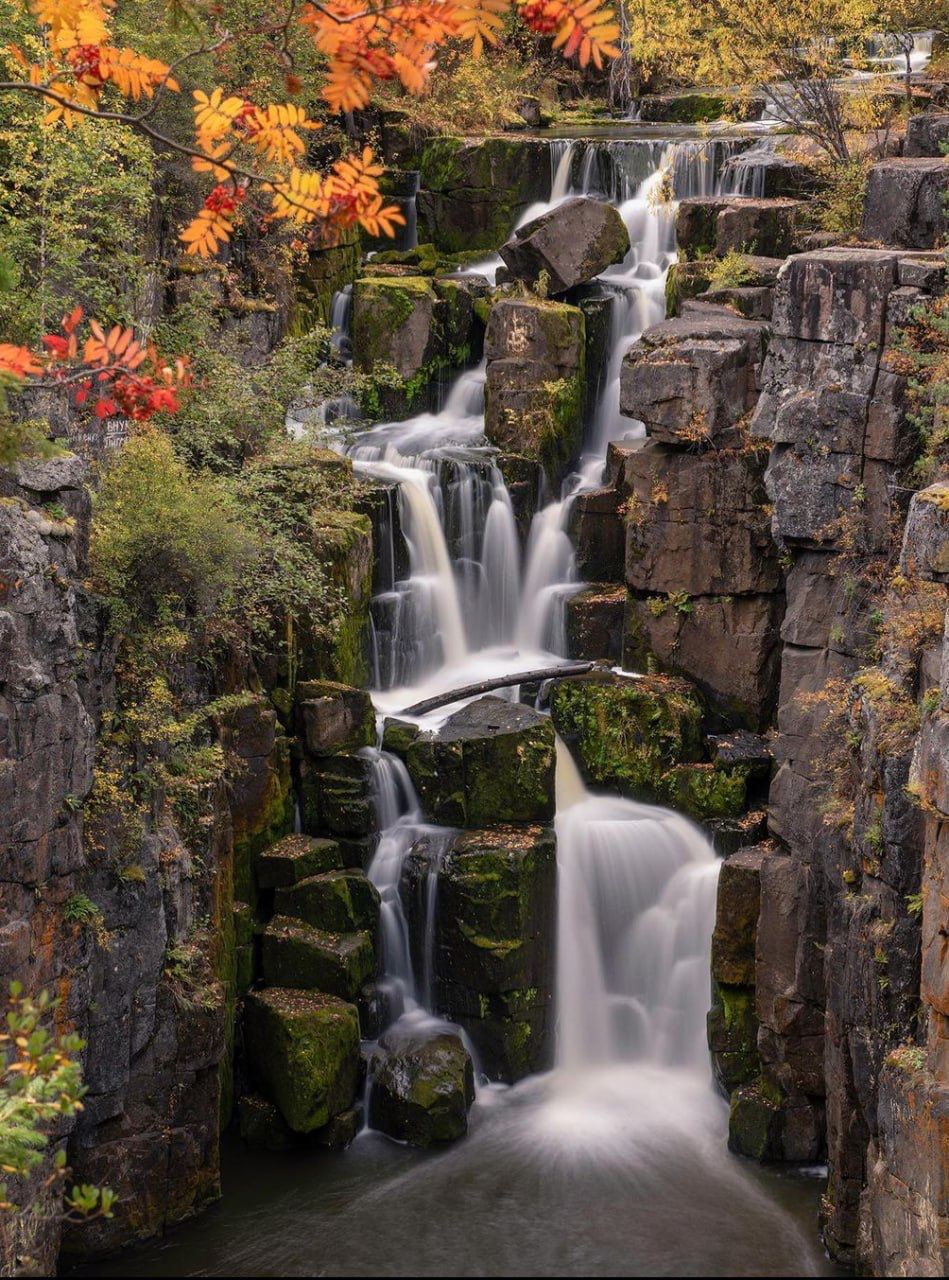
column 636, row 907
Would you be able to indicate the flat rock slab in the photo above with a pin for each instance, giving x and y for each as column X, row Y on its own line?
column 297, row 955
column 296, row 858
column 337, row 901
column 572, row 243
column 905, row 203
column 492, row 761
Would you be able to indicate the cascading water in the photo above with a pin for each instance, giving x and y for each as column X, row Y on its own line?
column 614, row 1162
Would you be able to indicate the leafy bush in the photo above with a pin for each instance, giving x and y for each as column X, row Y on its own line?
column 839, row 206
column 40, row 1083
column 166, row 541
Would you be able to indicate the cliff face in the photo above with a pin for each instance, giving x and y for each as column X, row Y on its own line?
column 77, row 921
column 829, row 958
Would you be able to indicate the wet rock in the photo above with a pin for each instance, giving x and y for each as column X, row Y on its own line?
column 722, row 224
column 296, row 858
column 535, row 382
column 769, row 174
column 419, row 326
column 262, row 1126
column 599, row 535
column 295, row 955
column 594, row 622
column 492, row 958
column 789, row 976
column 926, row 134
column 732, row 1036
column 260, row 798
column 905, row 202
column 492, row 761
column 380, row 1004
column 571, row 243
column 736, row 917
column 628, row 734
column 741, row 747
column 925, row 551
column 473, row 192
column 691, row 379
column 334, row 717
column 335, row 901
column 342, row 542
column 698, row 523
column 335, row 799
column 422, row 1088
column 303, row 1047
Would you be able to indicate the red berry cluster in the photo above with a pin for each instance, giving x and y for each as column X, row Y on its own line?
column 540, row 16
column 224, row 199
column 85, row 62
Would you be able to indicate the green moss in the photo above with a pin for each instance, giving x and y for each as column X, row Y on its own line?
column 628, row 734
column 733, row 1035
column 704, row 791
column 295, row 955
column 335, row 901
column 304, row 1050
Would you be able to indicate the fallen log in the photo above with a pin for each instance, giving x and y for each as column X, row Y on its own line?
column 497, row 682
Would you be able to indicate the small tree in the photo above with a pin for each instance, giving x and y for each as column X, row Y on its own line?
column 797, row 50
column 40, row 1086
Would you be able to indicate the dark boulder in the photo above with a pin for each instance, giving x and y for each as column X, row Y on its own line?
column 571, row 243
column 422, row 1087
column 905, row 202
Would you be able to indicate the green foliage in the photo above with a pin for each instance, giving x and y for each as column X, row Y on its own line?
column 166, row 542
column 40, row 1083
column 469, row 96
column 729, row 272
column 922, row 356
column 839, row 206
column 74, row 206
column 79, row 909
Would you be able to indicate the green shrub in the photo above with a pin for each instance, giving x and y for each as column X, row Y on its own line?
column 166, row 541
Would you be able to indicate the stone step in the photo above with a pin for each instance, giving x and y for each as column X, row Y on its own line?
column 302, row 1050
column 295, row 858
column 337, row 901
column 297, row 955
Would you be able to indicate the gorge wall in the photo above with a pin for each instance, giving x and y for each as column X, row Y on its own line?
column 762, row 554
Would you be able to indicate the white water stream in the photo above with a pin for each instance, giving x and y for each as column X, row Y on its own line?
column 631, row 1089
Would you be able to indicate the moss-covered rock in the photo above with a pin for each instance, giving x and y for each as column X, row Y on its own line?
column 294, row 954
column 325, row 271
column 262, row 1126
column 296, row 858
column 534, row 393
column 490, row 762
column 244, row 950
column 705, row 791
column 416, row 328
column 335, row 901
column 303, row 1048
column 492, row 964
column 334, row 718
column 733, row 1036
column 261, row 802
column 473, row 191
column 627, row 734
column 335, row 798
column 755, row 1121
column 342, row 540
column 422, row 1088
column 699, row 108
